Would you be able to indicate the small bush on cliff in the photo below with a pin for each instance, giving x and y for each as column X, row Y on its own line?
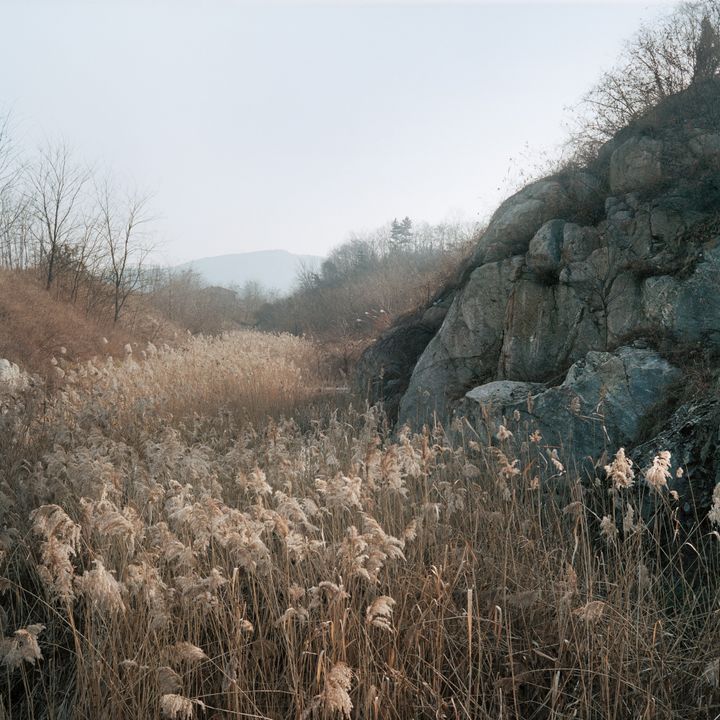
column 661, row 60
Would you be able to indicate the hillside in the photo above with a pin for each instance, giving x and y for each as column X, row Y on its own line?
column 589, row 302
column 37, row 326
column 272, row 269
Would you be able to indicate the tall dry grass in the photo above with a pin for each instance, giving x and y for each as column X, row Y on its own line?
column 162, row 557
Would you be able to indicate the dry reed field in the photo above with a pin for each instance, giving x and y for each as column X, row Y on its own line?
column 182, row 535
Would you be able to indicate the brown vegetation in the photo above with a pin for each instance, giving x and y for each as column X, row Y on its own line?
column 660, row 61
column 35, row 326
column 370, row 280
column 162, row 557
column 367, row 284
column 185, row 299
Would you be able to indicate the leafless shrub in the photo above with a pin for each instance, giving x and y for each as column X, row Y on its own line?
column 661, row 60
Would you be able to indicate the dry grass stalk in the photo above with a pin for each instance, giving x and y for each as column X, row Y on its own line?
column 22, row 647
column 379, row 614
column 177, row 707
column 335, row 696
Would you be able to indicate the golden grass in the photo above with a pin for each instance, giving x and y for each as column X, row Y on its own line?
column 248, row 374
column 185, row 563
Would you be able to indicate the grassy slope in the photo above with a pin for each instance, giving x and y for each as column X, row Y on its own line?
column 35, row 326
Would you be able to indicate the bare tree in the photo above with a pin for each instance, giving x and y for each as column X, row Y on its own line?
column 124, row 244
column 14, row 224
column 85, row 259
column 56, row 185
column 15, row 231
column 9, row 166
column 661, row 60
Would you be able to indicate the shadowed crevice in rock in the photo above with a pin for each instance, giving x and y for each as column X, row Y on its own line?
column 692, row 436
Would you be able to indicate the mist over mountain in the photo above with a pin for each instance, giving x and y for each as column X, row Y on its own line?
column 273, row 269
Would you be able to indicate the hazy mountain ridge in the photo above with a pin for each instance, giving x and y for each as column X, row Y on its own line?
column 273, row 269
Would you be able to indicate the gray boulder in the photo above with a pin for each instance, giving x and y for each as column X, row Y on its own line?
column 545, row 249
column 466, row 347
column 383, row 372
column 600, row 405
column 578, row 242
column 521, row 216
column 688, row 306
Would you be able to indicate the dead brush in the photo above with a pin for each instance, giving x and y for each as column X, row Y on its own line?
column 212, row 567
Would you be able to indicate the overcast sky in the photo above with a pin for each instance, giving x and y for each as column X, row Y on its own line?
column 287, row 125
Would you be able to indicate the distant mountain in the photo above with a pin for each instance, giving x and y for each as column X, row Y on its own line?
column 273, row 269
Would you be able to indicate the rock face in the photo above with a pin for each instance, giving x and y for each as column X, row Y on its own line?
column 692, row 436
column 384, row 373
column 599, row 406
column 579, row 287
column 648, row 269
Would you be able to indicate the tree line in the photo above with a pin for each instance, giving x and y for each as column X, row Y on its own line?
column 83, row 238
column 370, row 279
column 186, row 299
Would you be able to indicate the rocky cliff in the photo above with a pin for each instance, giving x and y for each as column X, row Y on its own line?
column 588, row 298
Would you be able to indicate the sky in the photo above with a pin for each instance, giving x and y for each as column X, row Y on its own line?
column 288, row 125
